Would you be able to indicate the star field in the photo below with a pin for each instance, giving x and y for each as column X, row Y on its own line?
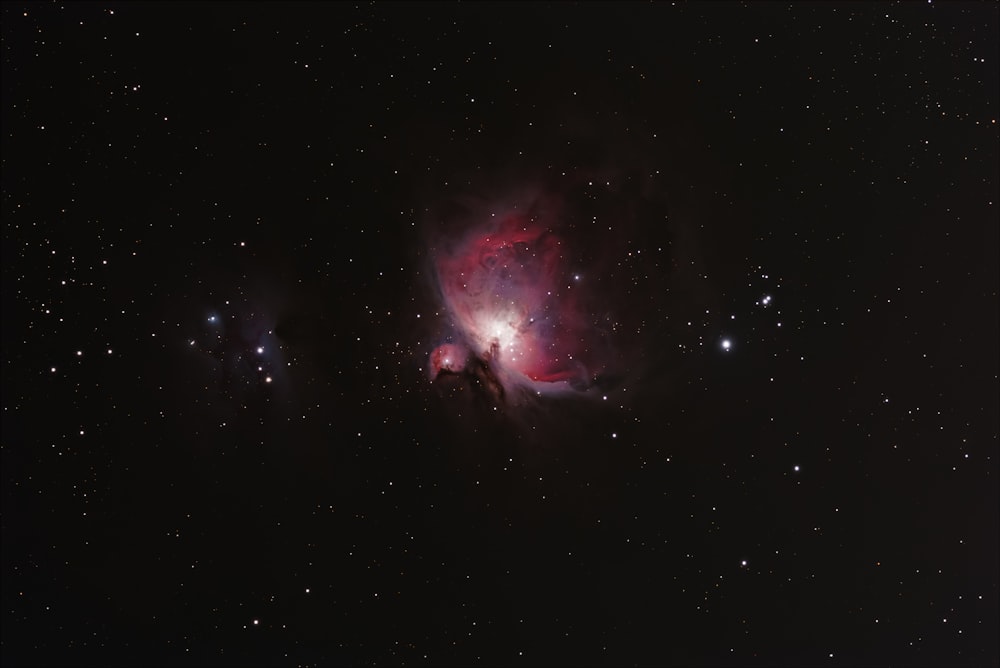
column 264, row 265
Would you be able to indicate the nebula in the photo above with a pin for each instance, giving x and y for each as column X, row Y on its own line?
column 448, row 358
column 514, row 308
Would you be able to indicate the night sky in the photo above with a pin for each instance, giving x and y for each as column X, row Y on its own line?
column 500, row 334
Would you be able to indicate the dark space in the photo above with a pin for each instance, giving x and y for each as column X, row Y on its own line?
column 762, row 425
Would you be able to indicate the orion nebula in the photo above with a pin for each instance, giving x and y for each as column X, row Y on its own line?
column 518, row 320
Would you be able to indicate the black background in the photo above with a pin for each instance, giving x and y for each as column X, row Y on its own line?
column 822, row 492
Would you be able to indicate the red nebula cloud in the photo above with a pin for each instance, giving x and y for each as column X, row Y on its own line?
column 514, row 307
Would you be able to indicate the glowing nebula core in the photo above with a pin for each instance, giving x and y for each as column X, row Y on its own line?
column 514, row 307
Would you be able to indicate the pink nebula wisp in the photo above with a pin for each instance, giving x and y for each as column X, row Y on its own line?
column 514, row 308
